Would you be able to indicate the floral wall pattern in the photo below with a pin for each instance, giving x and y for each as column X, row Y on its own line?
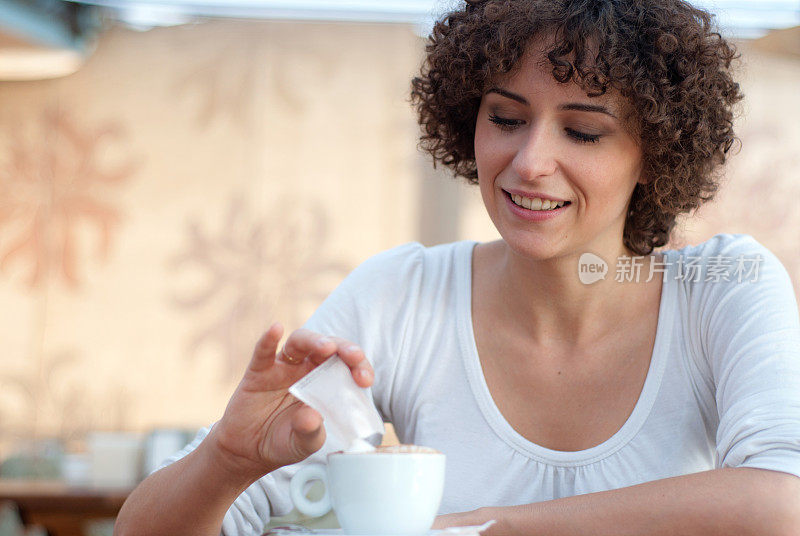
column 54, row 191
column 51, row 183
column 182, row 191
column 252, row 273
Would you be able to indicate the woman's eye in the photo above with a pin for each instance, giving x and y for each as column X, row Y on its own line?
column 582, row 137
column 503, row 123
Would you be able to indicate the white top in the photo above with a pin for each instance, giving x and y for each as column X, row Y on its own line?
column 723, row 387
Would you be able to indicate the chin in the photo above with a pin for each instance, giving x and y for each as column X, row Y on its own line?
column 535, row 251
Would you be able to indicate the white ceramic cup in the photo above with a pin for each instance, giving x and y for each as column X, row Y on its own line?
column 376, row 493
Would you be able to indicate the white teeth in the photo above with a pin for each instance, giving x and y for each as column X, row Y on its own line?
column 536, row 203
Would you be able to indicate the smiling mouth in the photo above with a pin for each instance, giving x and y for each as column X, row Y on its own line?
column 536, row 204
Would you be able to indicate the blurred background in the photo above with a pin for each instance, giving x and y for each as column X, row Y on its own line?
column 177, row 175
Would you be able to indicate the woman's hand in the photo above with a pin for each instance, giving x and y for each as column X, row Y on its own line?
column 264, row 427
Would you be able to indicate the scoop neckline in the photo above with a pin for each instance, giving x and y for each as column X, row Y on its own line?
column 494, row 416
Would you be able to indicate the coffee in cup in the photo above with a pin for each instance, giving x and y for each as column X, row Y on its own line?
column 393, row 490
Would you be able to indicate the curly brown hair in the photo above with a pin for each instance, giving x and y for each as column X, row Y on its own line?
column 663, row 56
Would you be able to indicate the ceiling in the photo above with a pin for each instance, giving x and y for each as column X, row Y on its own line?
column 739, row 18
column 49, row 38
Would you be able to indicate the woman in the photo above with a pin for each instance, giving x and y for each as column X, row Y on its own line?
column 662, row 398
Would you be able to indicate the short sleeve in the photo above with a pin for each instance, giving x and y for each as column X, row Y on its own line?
column 750, row 332
column 373, row 308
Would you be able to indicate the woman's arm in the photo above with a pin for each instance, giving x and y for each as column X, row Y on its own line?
column 263, row 428
column 720, row 502
column 187, row 497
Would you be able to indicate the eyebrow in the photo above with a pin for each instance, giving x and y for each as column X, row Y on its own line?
column 577, row 106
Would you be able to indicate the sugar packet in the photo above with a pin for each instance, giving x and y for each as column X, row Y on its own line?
column 347, row 409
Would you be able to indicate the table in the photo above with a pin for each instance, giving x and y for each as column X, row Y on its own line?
column 61, row 508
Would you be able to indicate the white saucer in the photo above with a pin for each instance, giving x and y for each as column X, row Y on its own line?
column 294, row 530
column 325, row 532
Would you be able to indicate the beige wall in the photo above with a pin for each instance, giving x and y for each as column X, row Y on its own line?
column 190, row 185
column 185, row 189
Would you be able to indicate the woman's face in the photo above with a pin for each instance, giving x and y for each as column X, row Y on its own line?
column 538, row 140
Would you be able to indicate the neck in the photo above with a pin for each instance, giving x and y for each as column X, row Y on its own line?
column 547, row 299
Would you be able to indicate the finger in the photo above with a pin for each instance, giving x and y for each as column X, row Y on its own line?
column 264, row 353
column 309, row 434
column 354, row 357
column 285, row 356
column 304, row 343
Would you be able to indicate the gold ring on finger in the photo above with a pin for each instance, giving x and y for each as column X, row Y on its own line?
column 288, row 358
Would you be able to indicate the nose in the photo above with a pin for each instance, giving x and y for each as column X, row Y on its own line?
column 536, row 155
